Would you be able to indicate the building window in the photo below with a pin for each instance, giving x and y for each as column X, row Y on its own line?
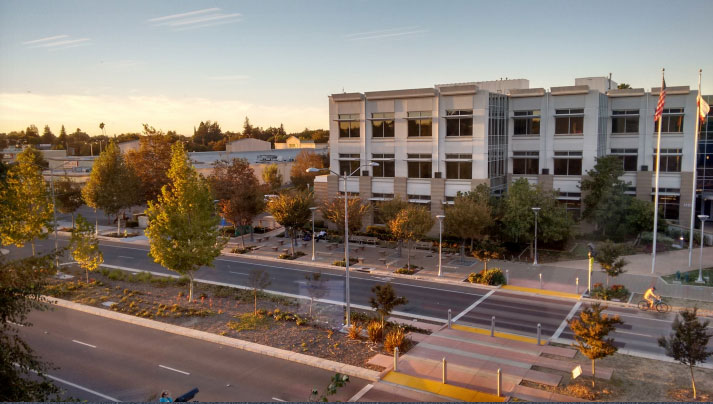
column 525, row 162
column 672, row 120
column 670, row 160
column 569, row 121
column 419, row 124
column 459, row 122
column 568, row 163
column 348, row 163
column 669, row 202
column 526, row 123
column 628, row 157
column 459, row 166
column 419, row 166
column 382, row 124
column 386, row 167
column 348, row 125
column 572, row 201
column 420, row 200
column 625, row 121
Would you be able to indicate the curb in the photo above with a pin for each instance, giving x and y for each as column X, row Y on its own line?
column 296, row 357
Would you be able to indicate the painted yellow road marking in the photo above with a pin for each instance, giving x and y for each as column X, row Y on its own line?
column 436, row 387
column 498, row 334
column 542, row 292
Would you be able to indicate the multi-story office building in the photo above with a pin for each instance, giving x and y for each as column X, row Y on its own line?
column 431, row 143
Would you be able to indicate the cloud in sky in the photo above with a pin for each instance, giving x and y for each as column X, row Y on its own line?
column 56, row 42
column 126, row 114
column 392, row 33
column 206, row 17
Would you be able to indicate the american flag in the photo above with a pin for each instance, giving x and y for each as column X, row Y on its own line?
column 662, row 101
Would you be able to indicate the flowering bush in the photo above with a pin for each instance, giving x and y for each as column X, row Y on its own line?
column 493, row 276
column 619, row 292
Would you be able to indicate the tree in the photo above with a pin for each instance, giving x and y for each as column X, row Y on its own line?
column 47, row 136
column 292, row 211
column 487, row 250
column 271, row 177
column 623, row 86
column 183, row 227
column 207, row 133
column 238, row 191
column 68, row 196
column 22, row 289
column 26, row 208
column 590, row 333
column 298, row 174
column 315, row 288
column 61, row 141
column 609, row 257
column 112, row 185
column 258, row 280
column 385, row 300
column 151, row 162
column 688, row 343
column 468, row 218
column 84, row 246
column 411, row 224
column 333, row 211
column 600, row 184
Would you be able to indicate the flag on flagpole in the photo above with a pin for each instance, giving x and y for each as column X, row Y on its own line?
column 662, row 101
column 703, row 108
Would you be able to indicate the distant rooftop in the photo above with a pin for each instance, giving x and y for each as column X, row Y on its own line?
column 261, row 156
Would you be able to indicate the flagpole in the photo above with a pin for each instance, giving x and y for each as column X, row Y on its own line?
column 656, row 186
column 695, row 160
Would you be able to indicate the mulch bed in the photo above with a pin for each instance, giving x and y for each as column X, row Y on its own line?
column 215, row 309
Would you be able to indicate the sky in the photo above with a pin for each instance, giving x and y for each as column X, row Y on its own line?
column 173, row 63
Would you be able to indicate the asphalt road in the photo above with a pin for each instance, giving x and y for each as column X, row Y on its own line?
column 109, row 360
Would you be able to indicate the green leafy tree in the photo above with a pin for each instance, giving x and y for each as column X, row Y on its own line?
column 291, row 209
column 61, row 141
column 84, row 246
column 271, row 177
column 688, row 343
column 333, row 211
column 623, row 86
column 207, row 133
column 387, row 210
column 299, row 176
column 68, row 196
column 183, row 227
column 590, row 331
column 22, row 289
column 609, row 256
column 385, row 300
column 599, row 185
column 47, row 136
column 238, row 191
column 487, row 250
column 468, row 219
column 258, row 280
column 151, row 162
column 411, row 224
column 112, row 185
column 26, row 208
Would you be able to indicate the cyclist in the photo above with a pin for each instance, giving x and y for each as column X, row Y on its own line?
column 651, row 297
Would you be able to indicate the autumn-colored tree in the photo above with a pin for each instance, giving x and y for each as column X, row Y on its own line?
column 26, row 208
column 333, row 211
column 387, row 210
column 183, row 226
column 590, row 333
column 411, row 224
column 238, row 191
column 271, row 177
column 151, row 162
column 384, row 300
column 68, row 196
column 298, row 174
column 467, row 219
column 84, row 246
column 291, row 209
column 487, row 250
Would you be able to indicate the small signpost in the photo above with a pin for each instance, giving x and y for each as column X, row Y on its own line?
column 576, row 372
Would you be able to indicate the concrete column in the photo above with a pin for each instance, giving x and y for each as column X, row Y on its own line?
column 332, row 186
column 684, row 208
column 643, row 185
column 477, row 181
column 365, row 195
column 438, row 195
column 546, row 181
column 400, row 188
column 321, row 192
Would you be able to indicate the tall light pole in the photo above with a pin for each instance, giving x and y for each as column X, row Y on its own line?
column 703, row 219
column 440, row 242
column 537, row 211
column 346, row 231
column 313, row 209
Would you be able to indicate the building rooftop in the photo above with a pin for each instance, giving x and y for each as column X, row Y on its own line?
column 253, row 157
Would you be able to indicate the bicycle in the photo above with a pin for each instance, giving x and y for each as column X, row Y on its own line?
column 659, row 305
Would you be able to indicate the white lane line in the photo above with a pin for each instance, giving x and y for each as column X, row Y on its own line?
column 571, row 313
column 633, row 333
column 361, row 393
column 175, row 370
column 278, row 399
column 238, row 273
column 125, row 256
column 16, row 324
column 639, row 317
column 96, row 393
column 472, row 306
column 84, row 343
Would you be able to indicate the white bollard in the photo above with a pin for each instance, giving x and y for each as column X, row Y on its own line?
column 539, row 333
column 577, row 282
column 507, row 276
column 449, row 318
column 540, row 280
column 500, row 383
column 492, row 326
column 396, row 357
column 444, row 370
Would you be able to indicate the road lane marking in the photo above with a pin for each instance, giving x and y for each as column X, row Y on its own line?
column 175, row 370
column 472, row 306
column 361, row 393
column 564, row 322
column 125, row 256
column 84, row 343
column 17, row 324
column 238, row 273
column 278, row 399
column 633, row 333
column 96, row 393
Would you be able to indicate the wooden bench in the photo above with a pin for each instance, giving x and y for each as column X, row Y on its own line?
column 382, row 261
column 274, row 248
column 423, row 245
column 282, row 242
column 285, row 250
column 360, row 260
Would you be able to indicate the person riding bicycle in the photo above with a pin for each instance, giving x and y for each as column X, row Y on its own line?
column 651, row 297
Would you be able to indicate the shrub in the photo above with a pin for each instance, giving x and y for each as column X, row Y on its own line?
column 291, row 257
column 375, row 331
column 396, row 339
column 406, row 271
column 248, row 322
column 619, row 292
column 239, row 250
column 340, row 263
column 493, row 276
column 355, row 331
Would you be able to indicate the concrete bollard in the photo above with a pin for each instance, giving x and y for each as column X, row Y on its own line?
column 576, row 281
column 444, row 371
column 449, row 318
column 507, row 276
column 500, row 383
column 540, row 280
column 539, row 333
column 396, row 357
column 492, row 326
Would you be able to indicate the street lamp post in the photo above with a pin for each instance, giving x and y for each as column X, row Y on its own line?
column 313, row 209
column 440, row 242
column 703, row 219
column 346, row 232
column 536, row 210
